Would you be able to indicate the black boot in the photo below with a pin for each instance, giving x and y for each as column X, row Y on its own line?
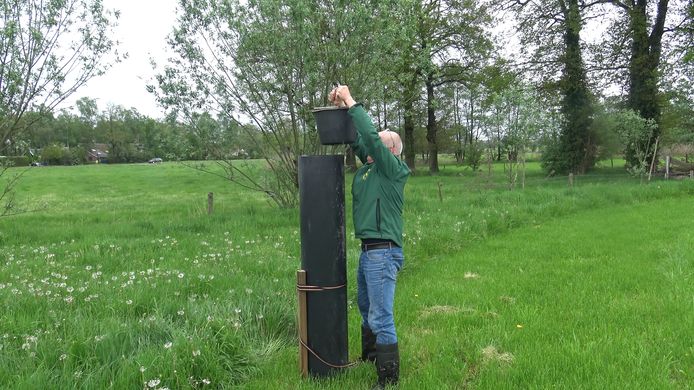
column 387, row 365
column 368, row 345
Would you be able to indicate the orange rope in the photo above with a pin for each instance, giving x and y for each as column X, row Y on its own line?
column 308, row 288
column 352, row 364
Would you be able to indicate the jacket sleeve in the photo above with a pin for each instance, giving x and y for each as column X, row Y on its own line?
column 359, row 149
column 371, row 143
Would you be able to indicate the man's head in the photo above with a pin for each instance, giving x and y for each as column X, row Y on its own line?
column 392, row 141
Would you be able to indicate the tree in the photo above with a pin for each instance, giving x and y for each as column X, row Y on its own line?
column 520, row 120
column 650, row 42
column 48, row 49
column 644, row 61
column 687, row 32
column 677, row 125
column 232, row 62
column 442, row 41
column 636, row 133
column 552, row 30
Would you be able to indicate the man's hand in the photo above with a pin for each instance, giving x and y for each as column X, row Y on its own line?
column 341, row 97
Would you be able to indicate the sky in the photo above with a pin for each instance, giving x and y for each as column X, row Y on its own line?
column 141, row 31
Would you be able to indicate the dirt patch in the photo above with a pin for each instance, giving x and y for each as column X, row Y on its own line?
column 491, row 354
column 444, row 309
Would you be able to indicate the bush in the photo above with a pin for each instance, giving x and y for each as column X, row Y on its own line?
column 15, row 161
column 78, row 155
column 473, row 155
column 552, row 159
column 58, row 155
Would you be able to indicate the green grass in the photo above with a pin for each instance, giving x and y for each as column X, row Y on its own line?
column 120, row 279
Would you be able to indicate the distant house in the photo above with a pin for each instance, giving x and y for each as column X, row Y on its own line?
column 239, row 153
column 98, row 154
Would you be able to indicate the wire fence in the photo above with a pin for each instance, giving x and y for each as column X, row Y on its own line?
column 499, row 180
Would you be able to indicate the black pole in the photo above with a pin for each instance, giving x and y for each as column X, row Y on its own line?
column 323, row 257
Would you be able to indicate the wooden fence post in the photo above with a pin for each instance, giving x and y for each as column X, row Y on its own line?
column 440, row 193
column 301, row 322
column 210, row 203
column 691, row 174
column 571, row 180
column 667, row 167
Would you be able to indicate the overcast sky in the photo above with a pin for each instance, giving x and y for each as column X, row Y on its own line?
column 142, row 30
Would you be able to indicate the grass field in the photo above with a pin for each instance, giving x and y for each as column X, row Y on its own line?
column 121, row 280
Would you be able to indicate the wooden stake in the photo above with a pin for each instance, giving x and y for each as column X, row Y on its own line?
column 301, row 320
column 667, row 167
column 571, row 180
column 210, row 203
column 655, row 151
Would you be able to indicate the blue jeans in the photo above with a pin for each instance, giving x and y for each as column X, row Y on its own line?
column 376, row 277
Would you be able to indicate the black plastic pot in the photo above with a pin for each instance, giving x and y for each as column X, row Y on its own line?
column 334, row 125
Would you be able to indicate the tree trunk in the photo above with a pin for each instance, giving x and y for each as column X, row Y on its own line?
column 431, row 126
column 643, row 69
column 351, row 160
column 408, row 123
column 576, row 148
column 458, row 126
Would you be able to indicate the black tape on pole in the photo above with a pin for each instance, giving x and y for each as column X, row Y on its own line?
column 323, row 257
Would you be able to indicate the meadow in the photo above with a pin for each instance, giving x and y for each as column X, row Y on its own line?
column 118, row 278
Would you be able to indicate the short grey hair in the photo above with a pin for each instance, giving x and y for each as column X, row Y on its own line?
column 397, row 141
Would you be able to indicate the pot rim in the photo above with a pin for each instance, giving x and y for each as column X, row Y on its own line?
column 329, row 108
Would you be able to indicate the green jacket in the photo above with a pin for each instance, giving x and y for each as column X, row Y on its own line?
column 378, row 187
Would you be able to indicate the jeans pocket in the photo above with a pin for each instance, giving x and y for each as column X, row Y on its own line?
column 377, row 255
column 397, row 258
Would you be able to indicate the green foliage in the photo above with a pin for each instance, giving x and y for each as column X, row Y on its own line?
column 437, row 43
column 677, row 123
column 608, row 140
column 474, row 151
column 272, row 79
column 636, row 134
column 49, row 49
column 56, row 155
column 15, row 161
column 644, row 27
column 573, row 149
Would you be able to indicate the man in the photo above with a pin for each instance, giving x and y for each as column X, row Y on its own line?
column 377, row 201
